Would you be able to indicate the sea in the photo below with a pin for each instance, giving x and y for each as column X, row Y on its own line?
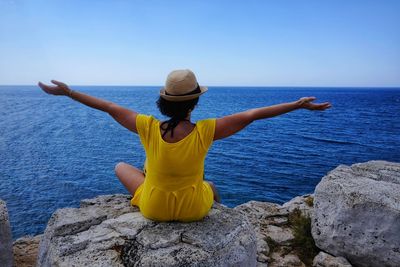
column 55, row 151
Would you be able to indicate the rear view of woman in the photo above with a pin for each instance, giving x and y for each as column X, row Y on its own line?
column 171, row 185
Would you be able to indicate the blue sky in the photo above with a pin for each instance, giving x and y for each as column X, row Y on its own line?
column 248, row 43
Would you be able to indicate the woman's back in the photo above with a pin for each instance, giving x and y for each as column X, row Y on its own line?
column 183, row 129
column 174, row 188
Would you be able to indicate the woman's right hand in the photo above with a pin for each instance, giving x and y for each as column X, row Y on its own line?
column 59, row 88
column 306, row 102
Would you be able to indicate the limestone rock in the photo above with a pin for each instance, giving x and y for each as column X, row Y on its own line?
column 274, row 234
column 281, row 236
column 325, row 260
column 107, row 231
column 357, row 213
column 302, row 203
column 282, row 259
column 6, row 254
column 257, row 212
column 26, row 251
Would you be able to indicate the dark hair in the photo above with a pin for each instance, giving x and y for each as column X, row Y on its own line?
column 177, row 111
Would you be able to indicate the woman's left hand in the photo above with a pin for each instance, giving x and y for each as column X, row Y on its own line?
column 59, row 88
column 306, row 103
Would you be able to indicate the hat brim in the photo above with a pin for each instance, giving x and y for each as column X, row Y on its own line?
column 178, row 98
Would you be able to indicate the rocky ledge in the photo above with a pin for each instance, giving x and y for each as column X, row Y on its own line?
column 107, row 231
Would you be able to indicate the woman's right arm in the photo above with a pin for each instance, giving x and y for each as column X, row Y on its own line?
column 124, row 116
column 229, row 125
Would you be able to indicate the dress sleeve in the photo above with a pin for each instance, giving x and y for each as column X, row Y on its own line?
column 207, row 129
column 143, row 126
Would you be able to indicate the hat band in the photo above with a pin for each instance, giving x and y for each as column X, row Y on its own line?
column 195, row 91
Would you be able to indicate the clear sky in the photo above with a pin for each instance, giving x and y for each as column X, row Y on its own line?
column 248, row 43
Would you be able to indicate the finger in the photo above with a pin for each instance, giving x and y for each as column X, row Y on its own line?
column 311, row 98
column 324, row 106
column 58, row 83
column 43, row 86
column 316, row 106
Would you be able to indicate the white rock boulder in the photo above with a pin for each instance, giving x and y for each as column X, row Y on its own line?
column 357, row 213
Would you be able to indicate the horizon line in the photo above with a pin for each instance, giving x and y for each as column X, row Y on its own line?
column 236, row 86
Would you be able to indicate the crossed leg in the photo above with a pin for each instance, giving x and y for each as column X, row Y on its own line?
column 129, row 176
column 132, row 178
column 217, row 198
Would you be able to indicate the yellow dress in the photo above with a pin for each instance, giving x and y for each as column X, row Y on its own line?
column 174, row 188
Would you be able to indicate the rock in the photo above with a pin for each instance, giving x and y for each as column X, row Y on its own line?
column 6, row 253
column 281, row 236
column 257, row 212
column 283, row 259
column 325, row 260
column 302, row 203
column 274, row 234
column 357, row 213
column 107, row 231
column 26, row 250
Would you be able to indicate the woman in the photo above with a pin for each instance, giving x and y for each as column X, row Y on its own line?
column 172, row 185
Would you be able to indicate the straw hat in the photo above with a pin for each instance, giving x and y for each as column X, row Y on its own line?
column 181, row 85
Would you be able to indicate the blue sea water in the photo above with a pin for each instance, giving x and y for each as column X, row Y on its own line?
column 55, row 151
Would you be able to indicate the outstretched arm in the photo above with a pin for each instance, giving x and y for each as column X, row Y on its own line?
column 123, row 116
column 229, row 125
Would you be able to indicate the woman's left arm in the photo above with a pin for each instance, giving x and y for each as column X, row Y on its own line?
column 123, row 116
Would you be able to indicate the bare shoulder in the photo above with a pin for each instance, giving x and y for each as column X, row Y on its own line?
column 231, row 124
